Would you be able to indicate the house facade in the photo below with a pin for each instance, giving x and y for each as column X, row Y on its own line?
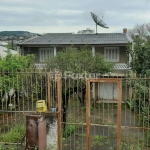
column 112, row 45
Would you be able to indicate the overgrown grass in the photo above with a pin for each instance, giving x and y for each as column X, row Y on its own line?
column 16, row 133
column 69, row 130
column 130, row 142
column 6, row 148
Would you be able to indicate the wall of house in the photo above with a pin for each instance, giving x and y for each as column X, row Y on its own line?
column 120, row 71
column 98, row 49
column 59, row 49
column 122, row 53
column 33, row 50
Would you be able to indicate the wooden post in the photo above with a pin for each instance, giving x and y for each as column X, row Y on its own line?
column 48, row 80
column 59, row 92
column 88, row 131
column 119, row 83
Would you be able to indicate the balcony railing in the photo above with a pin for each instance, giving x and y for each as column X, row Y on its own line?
column 118, row 66
column 121, row 66
column 40, row 66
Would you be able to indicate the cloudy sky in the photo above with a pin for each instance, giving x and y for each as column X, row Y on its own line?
column 42, row 16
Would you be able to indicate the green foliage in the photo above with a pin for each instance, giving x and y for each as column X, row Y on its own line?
column 68, row 131
column 16, row 133
column 139, row 102
column 130, row 142
column 100, row 140
column 79, row 61
column 16, row 63
column 140, row 61
column 72, row 61
column 6, row 148
column 10, row 66
column 126, row 146
column 144, row 116
column 132, row 104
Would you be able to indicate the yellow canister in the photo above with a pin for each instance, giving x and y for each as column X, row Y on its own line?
column 41, row 106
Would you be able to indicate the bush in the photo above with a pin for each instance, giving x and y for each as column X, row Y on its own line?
column 16, row 134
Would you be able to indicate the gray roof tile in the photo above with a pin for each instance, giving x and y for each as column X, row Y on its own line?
column 69, row 38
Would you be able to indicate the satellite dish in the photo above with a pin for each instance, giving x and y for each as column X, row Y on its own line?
column 98, row 21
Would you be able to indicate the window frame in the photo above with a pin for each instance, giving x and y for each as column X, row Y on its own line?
column 112, row 59
column 45, row 50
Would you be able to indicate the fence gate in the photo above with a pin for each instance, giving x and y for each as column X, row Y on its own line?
column 93, row 126
column 103, row 116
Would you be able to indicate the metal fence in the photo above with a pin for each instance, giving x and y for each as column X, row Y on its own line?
column 114, row 114
column 93, row 113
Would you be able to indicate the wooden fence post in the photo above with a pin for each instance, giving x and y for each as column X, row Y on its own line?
column 59, row 90
column 48, row 80
column 88, row 131
column 119, row 83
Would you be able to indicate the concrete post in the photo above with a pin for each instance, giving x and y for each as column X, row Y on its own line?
column 93, row 50
column 52, row 133
column 55, row 51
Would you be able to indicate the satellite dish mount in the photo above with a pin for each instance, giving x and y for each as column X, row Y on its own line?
column 98, row 21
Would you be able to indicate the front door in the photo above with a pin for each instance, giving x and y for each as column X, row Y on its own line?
column 107, row 91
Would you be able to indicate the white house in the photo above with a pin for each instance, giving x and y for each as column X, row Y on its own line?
column 4, row 51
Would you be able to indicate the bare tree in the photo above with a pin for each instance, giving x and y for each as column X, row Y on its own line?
column 143, row 31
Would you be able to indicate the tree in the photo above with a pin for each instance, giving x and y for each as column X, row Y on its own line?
column 143, row 31
column 10, row 66
column 16, row 63
column 75, row 60
column 78, row 61
column 140, row 56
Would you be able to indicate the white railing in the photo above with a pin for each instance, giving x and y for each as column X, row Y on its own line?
column 121, row 66
column 40, row 66
column 118, row 66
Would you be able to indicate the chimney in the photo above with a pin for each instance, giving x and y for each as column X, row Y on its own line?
column 124, row 30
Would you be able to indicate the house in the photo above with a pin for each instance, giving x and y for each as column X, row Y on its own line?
column 3, row 43
column 112, row 45
column 4, row 51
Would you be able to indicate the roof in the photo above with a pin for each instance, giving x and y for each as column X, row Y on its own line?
column 81, row 39
column 3, row 51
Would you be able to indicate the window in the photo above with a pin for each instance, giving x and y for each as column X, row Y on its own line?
column 111, row 54
column 46, row 53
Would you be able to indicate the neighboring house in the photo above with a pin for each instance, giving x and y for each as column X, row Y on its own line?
column 2, row 43
column 112, row 45
column 4, row 51
column 87, row 31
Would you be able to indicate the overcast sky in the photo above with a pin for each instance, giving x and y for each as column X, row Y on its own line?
column 43, row 16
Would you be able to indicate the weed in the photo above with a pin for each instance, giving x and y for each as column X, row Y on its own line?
column 16, row 133
column 100, row 140
column 69, row 130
